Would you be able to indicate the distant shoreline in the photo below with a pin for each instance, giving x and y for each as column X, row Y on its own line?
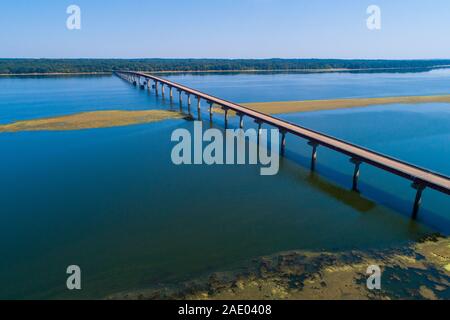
column 54, row 74
column 302, row 70
column 231, row 71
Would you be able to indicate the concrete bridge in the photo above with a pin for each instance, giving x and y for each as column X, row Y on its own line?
column 421, row 178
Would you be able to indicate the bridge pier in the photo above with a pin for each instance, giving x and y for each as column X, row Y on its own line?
column 314, row 146
column 199, row 114
column 226, row 116
column 156, row 88
column 210, row 110
column 258, row 132
column 418, row 199
column 149, row 85
column 189, row 101
column 357, row 164
column 171, row 93
column 241, row 120
column 259, row 123
column 180, row 96
column 162, row 89
column 283, row 142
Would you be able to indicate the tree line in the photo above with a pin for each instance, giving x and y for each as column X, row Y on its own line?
column 23, row 66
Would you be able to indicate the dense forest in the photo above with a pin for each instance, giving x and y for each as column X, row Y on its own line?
column 22, row 66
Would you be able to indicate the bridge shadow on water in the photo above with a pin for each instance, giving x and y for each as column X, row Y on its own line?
column 327, row 179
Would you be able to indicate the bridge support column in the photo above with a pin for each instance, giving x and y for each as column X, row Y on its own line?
column 162, row 89
column 259, row 123
column 283, row 142
column 180, row 96
column 226, row 116
column 171, row 93
column 210, row 110
column 357, row 164
column 241, row 120
column 149, row 85
column 418, row 200
column 156, row 88
column 314, row 146
column 199, row 114
column 258, row 132
column 189, row 100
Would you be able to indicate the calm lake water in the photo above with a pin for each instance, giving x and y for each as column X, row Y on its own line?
column 112, row 202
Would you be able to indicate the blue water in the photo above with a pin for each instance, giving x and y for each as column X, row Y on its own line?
column 111, row 201
column 295, row 86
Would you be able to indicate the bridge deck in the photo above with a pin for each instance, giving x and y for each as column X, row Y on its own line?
column 419, row 175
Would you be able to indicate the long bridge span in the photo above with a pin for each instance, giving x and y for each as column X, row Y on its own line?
column 421, row 178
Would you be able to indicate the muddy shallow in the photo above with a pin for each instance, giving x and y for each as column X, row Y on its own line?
column 418, row 271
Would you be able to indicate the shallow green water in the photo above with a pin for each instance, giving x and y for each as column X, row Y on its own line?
column 112, row 202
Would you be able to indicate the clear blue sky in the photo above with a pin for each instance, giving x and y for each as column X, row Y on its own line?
column 225, row 29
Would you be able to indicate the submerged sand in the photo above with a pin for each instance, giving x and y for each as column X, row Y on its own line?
column 91, row 120
column 417, row 271
column 316, row 105
column 115, row 118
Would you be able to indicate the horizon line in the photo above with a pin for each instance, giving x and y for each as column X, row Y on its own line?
column 273, row 58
